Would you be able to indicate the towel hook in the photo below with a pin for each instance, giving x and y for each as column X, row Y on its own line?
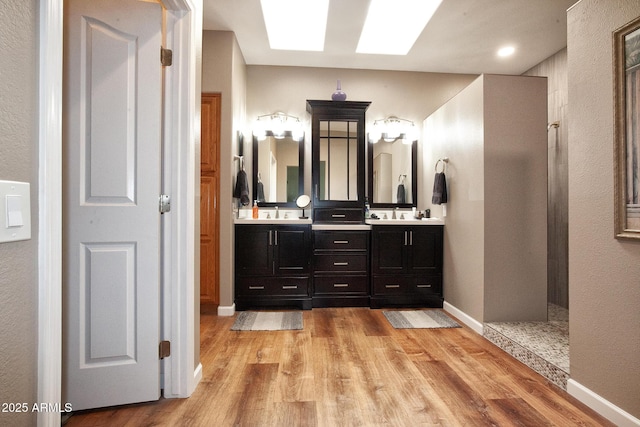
column 241, row 158
column 444, row 160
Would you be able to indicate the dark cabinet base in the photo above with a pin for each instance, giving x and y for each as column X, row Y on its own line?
column 341, row 301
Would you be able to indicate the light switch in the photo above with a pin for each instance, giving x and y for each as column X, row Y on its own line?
column 14, row 211
column 15, row 206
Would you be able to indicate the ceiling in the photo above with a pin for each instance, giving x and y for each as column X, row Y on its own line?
column 462, row 37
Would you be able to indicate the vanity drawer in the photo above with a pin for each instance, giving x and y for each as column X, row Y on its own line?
column 340, row 240
column 349, row 215
column 267, row 287
column 403, row 285
column 340, row 262
column 332, row 285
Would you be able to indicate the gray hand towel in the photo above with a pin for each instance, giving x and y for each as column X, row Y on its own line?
column 242, row 188
column 439, row 189
column 260, row 192
column 400, row 195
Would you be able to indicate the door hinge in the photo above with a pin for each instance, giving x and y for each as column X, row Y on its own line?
column 165, row 349
column 166, row 57
column 165, row 203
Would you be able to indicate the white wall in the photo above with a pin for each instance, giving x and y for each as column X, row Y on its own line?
column 18, row 162
column 604, row 272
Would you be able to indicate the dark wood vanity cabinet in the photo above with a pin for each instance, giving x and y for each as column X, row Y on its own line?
column 340, row 268
column 272, row 266
column 406, row 266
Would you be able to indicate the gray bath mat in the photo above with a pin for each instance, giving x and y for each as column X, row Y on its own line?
column 268, row 321
column 419, row 319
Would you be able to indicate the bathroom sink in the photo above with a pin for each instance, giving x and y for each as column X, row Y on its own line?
column 407, row 221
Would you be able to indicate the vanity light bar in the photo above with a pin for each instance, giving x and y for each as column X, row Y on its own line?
column 278, row 124
column 392, row 128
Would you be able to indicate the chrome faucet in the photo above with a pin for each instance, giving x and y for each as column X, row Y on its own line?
column 395, row 216
column 277, row 215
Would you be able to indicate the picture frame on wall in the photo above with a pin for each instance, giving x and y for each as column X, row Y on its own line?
column 626, row 64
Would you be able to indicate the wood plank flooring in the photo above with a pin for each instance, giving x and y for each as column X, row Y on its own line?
column 349, row 367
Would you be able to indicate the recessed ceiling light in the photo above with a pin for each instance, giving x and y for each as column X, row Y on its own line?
column 295, row 24
column 392, row 27
column 506, row 51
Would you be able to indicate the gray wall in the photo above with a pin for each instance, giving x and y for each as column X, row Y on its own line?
column 409, row 95
column 555, row 69
column 494, row 135
column 224, row 71
column 604, row 273
column 18, row 162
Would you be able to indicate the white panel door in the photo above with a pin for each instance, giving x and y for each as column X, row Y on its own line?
column 112, row 148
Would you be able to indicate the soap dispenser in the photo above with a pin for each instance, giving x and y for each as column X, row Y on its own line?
column 255, row 209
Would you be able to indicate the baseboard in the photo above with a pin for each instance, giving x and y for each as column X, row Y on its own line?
column 464, row 318
column 602, row 406
column 197, row 374
column 226, row 310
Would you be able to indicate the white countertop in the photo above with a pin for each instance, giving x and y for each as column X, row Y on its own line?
column 338, row 226
column 412, row 221
column 265, row 221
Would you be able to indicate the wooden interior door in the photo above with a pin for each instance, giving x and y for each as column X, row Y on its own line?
column 209, row 200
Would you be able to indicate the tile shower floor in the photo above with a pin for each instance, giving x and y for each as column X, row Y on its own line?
column 543, row 346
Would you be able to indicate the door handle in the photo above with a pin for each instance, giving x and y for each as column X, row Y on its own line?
column 338, row 216
column 340, row 242
column 340, row 263
column 391, row 286
column 276, row 237
column 411, row 238
column 405, row 238
column 340, row 285
column 256, row 288
column 270, row 238
column 423, row 286
column 290, row 287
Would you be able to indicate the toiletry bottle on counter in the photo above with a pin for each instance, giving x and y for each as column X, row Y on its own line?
column 255, row 209
column 367, row 213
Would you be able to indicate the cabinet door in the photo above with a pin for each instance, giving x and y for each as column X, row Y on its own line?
column 292, row 246
column 425, row 255
column 253, row 250
column 388, row 249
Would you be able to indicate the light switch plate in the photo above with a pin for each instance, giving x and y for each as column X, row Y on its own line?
column 15, row 209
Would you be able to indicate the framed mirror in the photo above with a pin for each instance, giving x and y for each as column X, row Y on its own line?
column 392, row 173
column 278, row 169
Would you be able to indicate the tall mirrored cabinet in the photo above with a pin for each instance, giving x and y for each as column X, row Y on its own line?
column 338, row 160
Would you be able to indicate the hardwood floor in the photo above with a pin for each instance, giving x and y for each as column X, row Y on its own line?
column 349, row 367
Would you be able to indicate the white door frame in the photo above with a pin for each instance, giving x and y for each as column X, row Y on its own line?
column 182, row 371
